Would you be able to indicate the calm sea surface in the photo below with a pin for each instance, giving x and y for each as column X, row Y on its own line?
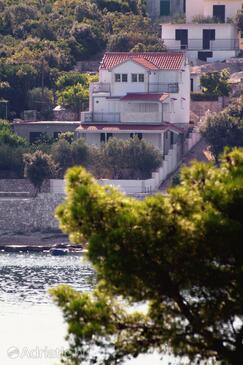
column 32, row 329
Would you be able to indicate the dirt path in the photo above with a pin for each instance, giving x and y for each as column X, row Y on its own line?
column 198, row 153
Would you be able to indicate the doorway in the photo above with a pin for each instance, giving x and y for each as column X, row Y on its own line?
column 208, row 36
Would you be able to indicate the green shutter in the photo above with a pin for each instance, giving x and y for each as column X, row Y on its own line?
column 165, row 8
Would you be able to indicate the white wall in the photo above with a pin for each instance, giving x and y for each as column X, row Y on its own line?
column 231, row 7
column 194, row 8
column 205, row 8
column 122, row 88
column 226, row 39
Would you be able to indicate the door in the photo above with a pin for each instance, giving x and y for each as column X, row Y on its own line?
column 208, row 35
column 182, row 35
column 219, row 13
column 165, row 8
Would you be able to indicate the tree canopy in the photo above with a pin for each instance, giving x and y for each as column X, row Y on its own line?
column 39, row 40
column 224, row 129
column 181, row 254
column 216, row 83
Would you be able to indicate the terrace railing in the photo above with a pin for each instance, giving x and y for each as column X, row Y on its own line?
column 163, row 88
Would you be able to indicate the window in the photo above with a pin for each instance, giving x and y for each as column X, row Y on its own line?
column 35, row 136
column 165, row 8
column 192, row 85
column 182, row 36
column 117, row 78
column 219, row 13
column 141, row 77
column 102, row 137
column 171, row 138
column 124, row 77
column 134, row 78
column 139, row 135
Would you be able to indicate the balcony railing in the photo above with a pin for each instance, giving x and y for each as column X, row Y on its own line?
column 163, row 88
column 100, row 87
column 89, row 117
column 203, row 44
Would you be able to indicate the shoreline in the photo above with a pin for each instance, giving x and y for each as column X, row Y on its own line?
column 33, row 240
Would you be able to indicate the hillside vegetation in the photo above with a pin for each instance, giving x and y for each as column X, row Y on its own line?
column 39, row 39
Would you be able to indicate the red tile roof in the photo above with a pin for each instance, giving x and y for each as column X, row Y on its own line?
column 125, row 127
column 145, row 97
column 150, row 60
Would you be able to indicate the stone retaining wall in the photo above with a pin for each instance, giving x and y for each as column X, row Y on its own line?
column 29, row 215
column 21, row 185
column 201, row 107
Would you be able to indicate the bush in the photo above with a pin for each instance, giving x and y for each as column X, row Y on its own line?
column 42, row 101
column 128, row 159
column 8, row 137
column 38, row 167
column 80, row 152
column 216, row 83
column 11, row 161
column 224, row 129
column 67, row 153
column 62, row 154
column 197, row 96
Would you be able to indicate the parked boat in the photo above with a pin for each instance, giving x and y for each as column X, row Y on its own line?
column 59, row 251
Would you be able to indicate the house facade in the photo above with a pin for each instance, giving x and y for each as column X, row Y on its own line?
column 165, row 9
column 209, row 34
column 143, row 94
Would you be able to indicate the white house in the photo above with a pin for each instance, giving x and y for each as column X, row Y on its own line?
column 144, row 94
column 209, row 34
column 224, row 10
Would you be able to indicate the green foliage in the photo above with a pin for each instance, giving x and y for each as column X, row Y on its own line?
column 41, row 100
column 198, row 96
column 42, row 39
column 201, row 19
column 67, row 152
column 38, row 167
column 8, row 137
column 128, row 159
column 11, row 161
column 224, row 129
column 74, row 97
column 216, row 83
column 181, row 254
column 239, row 20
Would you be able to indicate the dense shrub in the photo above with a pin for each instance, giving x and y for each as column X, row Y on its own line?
column 197, row 96
column 224, row 129
column 38, row 167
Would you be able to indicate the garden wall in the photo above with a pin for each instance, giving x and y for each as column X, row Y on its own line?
column 29, row 215
column 21, row 185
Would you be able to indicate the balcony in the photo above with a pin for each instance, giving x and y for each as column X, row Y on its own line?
column 163, row 88
column 100, row 87
column 126, row 117
column 140, row 118
column 90, row 117
column 203, row 45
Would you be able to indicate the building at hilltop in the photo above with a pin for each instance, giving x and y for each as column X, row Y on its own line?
column 209, row 33
column 143, row 94
column 165, row 9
